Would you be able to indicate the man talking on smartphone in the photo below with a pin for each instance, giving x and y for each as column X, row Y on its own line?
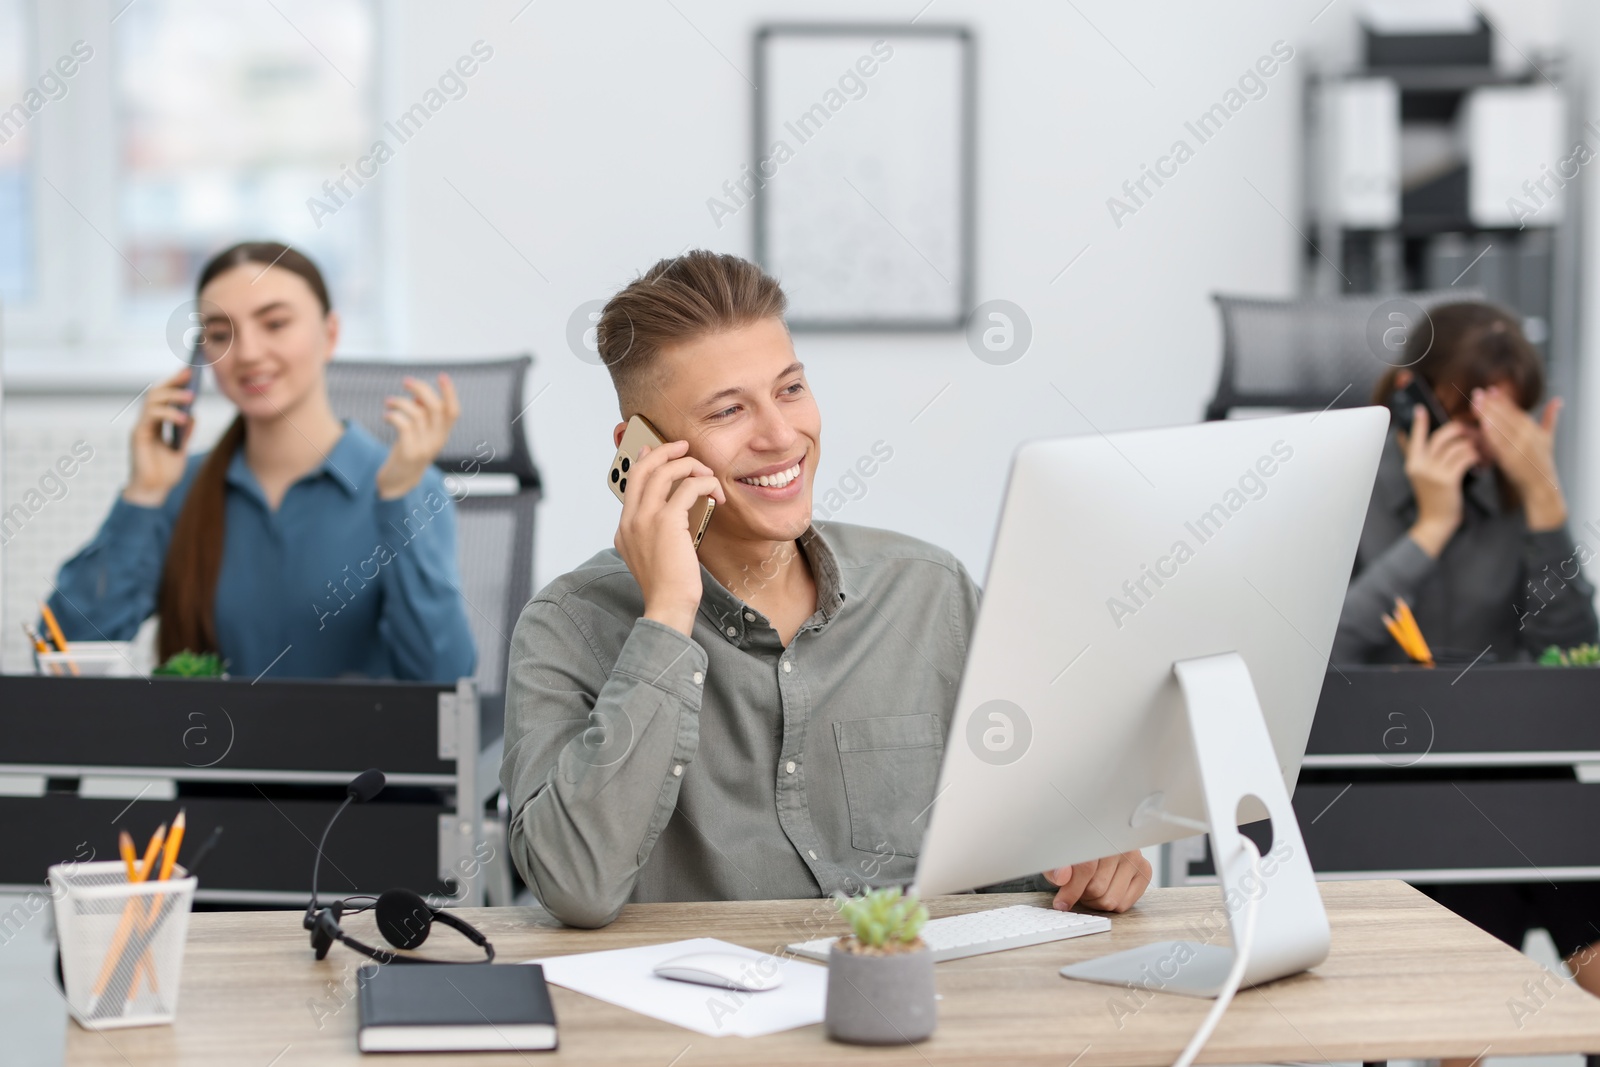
column 764, row 718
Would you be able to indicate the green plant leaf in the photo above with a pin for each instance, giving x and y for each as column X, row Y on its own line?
column 882, row 916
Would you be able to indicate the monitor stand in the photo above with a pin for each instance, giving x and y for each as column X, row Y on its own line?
column 1236, row 760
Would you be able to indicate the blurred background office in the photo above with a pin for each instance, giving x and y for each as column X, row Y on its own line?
column 586, row 143
column 996, row 221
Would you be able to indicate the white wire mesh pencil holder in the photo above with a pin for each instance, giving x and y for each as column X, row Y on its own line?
column 121, row 942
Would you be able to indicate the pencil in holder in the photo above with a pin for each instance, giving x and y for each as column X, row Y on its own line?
column 121, row 942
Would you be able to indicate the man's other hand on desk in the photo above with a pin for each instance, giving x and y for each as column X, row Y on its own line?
column 1112, row 884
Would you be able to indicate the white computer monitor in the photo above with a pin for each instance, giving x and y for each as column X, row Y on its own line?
column 1218, row 552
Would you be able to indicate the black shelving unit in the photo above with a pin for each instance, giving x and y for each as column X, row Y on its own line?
column 1435, row 244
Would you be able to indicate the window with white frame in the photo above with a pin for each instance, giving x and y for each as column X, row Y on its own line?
column 189, row 125
column 16, row 214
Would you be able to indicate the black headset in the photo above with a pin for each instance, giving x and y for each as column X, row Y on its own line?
column 403, row 917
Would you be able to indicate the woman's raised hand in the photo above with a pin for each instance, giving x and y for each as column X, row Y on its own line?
column 422, row 423
column 1524, row 448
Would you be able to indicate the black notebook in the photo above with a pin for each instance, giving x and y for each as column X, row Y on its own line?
column 471, row 1007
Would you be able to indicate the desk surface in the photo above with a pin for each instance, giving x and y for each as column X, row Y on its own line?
column 1405, row 979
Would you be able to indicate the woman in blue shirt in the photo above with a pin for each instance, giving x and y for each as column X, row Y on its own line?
column 299, row 544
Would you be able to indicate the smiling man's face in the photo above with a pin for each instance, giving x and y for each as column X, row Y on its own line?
column 741, row 400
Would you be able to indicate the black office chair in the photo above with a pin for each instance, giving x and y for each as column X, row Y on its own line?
column 1304, row 352
column 495, row 529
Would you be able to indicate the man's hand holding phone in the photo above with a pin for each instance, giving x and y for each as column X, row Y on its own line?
column 653, row 537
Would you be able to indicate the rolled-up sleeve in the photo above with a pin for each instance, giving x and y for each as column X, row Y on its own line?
column 108, row 589
column 1397, row 572
column 594, row 756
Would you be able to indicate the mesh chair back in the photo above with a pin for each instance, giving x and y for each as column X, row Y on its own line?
column 494, row 530
column 496, row 556
column 491, row 408
column 1305, row 352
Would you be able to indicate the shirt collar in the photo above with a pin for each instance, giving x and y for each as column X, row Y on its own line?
column 825, row 570
column 727, row 612
column 352, row 462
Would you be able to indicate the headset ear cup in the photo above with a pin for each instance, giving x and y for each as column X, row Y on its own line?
column 403, row 918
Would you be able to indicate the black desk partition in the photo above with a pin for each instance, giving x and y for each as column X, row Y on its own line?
column 81, row 758
column 1444, row 775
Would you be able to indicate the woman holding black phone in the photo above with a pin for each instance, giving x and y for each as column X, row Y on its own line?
column 1468, row 524
column 1468, row 520
column 299, row 544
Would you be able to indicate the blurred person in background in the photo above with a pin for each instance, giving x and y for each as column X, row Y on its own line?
column 299, row 543
column 1468, row 524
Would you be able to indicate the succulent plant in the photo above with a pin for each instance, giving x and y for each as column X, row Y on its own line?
column 1581, row 656
column 187, row 664
column 883, row 918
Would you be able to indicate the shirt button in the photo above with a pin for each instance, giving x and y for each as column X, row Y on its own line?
column 811, row 852
column 677, row 770
column 699, row 677
column 749, row 617
column 787, row 666
column 789, row 766
column 732, row 631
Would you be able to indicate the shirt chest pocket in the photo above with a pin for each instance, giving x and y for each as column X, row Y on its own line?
column 891, row 768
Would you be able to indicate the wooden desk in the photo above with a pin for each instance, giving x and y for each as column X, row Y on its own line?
column 1405, row 979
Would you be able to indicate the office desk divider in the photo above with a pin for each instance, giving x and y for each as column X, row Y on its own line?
column 1489, row 774
column 269, row 761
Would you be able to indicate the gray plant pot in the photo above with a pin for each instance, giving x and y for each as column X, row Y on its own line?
column 880, row 1000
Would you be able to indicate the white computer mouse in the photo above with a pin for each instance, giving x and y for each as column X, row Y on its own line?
column 726, row 970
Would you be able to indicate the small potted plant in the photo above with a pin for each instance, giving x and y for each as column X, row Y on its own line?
column 880, row 975
column 187, row 664
column 1581, row 656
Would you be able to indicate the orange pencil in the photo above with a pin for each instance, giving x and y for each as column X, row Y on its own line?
column 129, row 913
column 131, row 862
column 1404, row 617
column 56, row 635
column 33, row 637
column 125, row 846
column 1401, row 637
column 169, row 857
column 38, row 644
column 53, row 626
column 151, row 851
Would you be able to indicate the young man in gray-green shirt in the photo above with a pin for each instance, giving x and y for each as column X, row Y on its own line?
column 763, row 719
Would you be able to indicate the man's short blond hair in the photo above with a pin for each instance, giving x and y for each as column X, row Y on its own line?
column 675, row 301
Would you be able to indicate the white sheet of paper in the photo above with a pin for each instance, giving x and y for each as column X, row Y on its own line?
column 623, row 977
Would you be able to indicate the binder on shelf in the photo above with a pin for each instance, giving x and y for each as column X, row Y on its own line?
column 1515, row 156
column 1363, row 119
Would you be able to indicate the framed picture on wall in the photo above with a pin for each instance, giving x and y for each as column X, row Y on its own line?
column 862, row 177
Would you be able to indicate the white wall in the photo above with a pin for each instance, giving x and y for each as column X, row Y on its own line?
column 594, row 136
column 1581, row 26
column 592, row 140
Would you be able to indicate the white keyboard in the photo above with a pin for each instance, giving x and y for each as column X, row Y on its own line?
column 958, row 936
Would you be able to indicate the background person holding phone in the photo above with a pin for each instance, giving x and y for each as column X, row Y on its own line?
column 1468, row 521
column 1469, row 524
column 299, row 543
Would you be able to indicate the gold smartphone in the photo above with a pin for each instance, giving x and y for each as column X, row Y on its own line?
column 637, row 435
